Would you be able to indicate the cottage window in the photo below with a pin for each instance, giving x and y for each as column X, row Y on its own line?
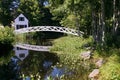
column 20, row 26
column 18, row 48
column 21, row 18
column 17, row 26
column 25, row 26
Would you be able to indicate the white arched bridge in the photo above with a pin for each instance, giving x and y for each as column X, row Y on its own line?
column 49, row 28
column 44, row 28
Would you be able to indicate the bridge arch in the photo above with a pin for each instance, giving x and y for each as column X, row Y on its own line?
column 49, row 28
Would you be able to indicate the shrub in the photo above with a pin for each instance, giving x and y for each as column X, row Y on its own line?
column 111, row 69
column 6, row 39
column 6, row 35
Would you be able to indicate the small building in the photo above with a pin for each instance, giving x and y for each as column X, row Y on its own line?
column 21, row 22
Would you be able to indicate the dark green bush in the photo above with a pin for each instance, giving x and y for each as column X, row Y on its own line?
column 6, row 35
column 112, row 40
column 6, row 39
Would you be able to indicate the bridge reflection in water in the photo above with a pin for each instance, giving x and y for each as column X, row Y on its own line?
column 22, row 50
column 34, row 47
column 50, row 59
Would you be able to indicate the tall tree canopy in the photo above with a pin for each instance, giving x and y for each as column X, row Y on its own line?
column 31, row 9
column 99, row 18
column 36, row 12
column 5, row 15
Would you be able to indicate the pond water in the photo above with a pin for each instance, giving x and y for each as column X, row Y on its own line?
column 36, row 65
column 22, row 64
column 31, row 65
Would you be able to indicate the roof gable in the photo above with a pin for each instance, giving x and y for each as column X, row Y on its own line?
column 21, row 15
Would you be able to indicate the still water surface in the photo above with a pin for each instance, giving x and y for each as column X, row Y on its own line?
column 24, row 64
column 35, row 65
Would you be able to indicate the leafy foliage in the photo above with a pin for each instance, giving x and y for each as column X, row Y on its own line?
column 31, row 10
column 6, row 40
column 5, row 17
column 110, row 70
column 6, row 35
column 72, row 21
column 71, row 13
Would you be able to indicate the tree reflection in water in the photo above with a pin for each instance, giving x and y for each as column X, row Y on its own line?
column 36, row 64
column 8, row 66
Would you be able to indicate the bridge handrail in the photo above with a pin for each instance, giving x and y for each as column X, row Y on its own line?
column 48, row 28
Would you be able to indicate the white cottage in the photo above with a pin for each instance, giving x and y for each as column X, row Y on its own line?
column 21, row 22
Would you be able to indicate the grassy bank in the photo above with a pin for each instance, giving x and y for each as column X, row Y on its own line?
column 69, row 48
column 110, row 70
column 70, row 45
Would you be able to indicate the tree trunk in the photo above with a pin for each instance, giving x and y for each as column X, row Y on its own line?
column 102, row 21
column 119, row 18
column 114, row 17
column 118, row 13
column 94, row 25
column 94, row 14
column 117, row 25
column 99, row 29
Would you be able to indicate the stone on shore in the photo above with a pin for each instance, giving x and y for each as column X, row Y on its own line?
column 94, row 74
column 85, row 55
column 99, row 63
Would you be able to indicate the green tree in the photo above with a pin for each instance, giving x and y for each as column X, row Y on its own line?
column 72, row 13
column 31, row 9
column 5, row 15
column 6, row 40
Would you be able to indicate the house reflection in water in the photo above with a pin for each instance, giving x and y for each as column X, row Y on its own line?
column 21, row 53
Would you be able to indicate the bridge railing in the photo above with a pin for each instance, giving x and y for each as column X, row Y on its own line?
column 49, row 28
